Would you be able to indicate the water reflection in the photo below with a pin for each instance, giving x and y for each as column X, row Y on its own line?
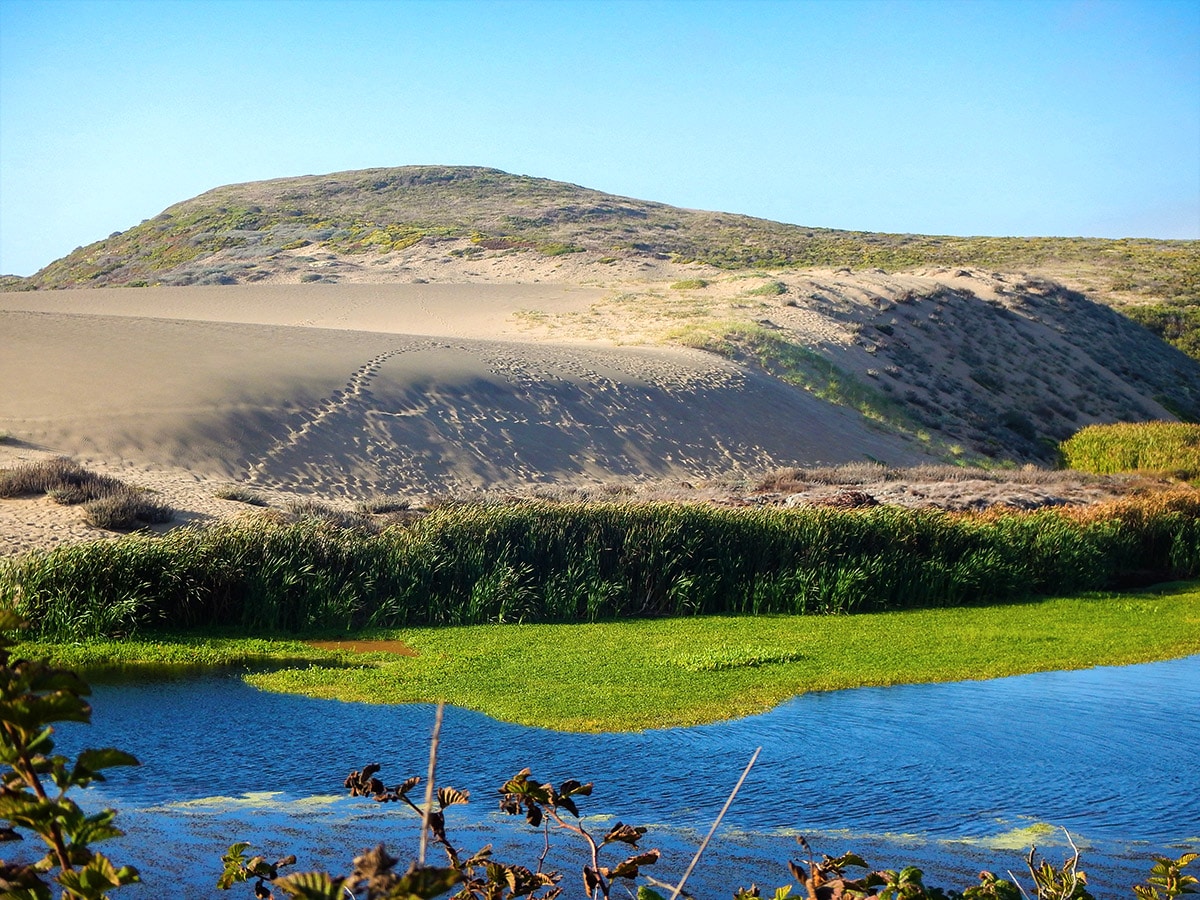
column 938, row 774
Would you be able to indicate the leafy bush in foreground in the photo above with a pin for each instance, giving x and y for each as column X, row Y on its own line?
column 479, row 876
column 35, row 786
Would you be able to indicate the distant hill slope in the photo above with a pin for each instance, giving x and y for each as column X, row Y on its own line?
column 261, row 230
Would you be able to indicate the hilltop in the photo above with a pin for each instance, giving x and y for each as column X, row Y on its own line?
column 264, row 230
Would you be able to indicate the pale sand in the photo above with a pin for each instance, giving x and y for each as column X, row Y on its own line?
column 457, row 310
column 348, row 391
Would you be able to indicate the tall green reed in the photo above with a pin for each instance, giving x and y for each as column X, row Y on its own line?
column 571, row 562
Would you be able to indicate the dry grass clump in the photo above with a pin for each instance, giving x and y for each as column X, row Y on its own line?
column 107, row 502
column 794, row 480
column 67, row 482
column 383, row 505
column 240, row 494
column 125, row 511
column 314, row 510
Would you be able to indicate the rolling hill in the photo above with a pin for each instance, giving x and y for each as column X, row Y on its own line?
column 251, row 232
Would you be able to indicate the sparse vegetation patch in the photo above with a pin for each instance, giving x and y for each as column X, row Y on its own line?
column 796, row 365
column 107, row 502
column 770, row 289
column 240, row 494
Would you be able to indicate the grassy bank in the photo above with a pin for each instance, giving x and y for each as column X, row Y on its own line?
column 545, row 562
column 629, row 675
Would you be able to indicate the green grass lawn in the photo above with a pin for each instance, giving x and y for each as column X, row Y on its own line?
column 631, row 675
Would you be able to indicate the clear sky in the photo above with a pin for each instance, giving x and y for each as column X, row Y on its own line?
column 1059, row 117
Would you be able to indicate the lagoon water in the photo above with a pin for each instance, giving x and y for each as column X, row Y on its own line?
column 951, row 777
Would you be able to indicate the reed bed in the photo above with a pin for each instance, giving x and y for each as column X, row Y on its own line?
column 1171, row 448
column 544, row 562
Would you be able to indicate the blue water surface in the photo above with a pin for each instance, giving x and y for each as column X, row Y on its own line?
column 953, row 777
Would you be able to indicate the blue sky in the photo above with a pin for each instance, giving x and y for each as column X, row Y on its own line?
column 1043, row 118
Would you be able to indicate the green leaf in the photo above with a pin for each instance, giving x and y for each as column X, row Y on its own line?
column 850, row 859
column 90, row 763
column 25, row 811
column 235, row 869
column 95, row 828
column 312, row 886
column 33, row 713
column 424, row 883
column 96, row 878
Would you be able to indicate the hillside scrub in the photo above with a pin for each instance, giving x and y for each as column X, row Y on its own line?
column 797, row 365
column 544, row 562
column 1171, row 448
column 1177, row 324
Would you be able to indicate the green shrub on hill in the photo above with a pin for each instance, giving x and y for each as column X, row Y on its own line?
column 1171, row 448
column 1177, row 324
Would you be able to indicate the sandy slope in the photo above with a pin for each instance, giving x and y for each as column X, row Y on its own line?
column 353, row 390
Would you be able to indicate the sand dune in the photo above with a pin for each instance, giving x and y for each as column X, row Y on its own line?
column 352, row 390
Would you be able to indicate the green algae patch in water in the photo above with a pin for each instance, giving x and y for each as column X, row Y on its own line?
column 666, row 673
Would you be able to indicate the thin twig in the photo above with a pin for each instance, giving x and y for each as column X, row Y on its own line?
column 433, row 752
column 1032, row 873
column 546, row 845
column 1074, row 864
column 708, row 837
